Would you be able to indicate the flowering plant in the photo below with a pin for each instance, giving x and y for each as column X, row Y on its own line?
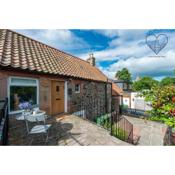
column 163, row 104
column 172, row 112
column 25, row 106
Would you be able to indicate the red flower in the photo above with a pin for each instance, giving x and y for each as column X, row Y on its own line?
column 173, row 99
column 171, row 111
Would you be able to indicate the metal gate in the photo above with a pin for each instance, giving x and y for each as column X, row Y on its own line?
column 121, row 127
column 4, row 122
column 95, row 111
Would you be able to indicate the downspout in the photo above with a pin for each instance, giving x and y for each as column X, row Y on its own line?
column 112, row 119
column 121, row 106
column 106, row 103
column 65, row 97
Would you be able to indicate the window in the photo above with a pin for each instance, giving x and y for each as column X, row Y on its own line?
column 77, row 88
column 57, row 88
column 70, row 91
column 22, row 90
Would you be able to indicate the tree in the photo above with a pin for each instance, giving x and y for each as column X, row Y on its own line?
column 124, row 74
column 167, row 81
column 145, row 83
column 162, row 100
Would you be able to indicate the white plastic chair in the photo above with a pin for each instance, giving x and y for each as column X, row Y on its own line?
column 37, row 129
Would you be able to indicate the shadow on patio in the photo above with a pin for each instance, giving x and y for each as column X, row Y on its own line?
column 59, row 133
column 65, row 130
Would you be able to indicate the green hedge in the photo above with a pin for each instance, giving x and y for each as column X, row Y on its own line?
column 119, row 132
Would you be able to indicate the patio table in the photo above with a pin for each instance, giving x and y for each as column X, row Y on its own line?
column 35, row 117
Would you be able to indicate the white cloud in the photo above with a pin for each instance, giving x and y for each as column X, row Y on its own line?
column 61, row 39
column 53, row 35
column 126, row 47
column 155, row 66
column 125, row 44
column 129, row 49
column 107, row 32
column 135, row 34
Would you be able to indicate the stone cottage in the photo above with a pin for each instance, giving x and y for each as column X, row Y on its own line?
column 45, row 76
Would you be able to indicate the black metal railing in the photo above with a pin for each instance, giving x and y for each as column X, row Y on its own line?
column 95, row 111
column 4, row 122
column 121, row 127
column 134, row 112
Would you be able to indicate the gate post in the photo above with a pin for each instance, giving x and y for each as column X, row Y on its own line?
column 112, row 119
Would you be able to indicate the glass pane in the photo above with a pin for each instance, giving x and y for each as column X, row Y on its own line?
column 22, row 81
column 19, row 94
column 77, row 88
column 57, row 88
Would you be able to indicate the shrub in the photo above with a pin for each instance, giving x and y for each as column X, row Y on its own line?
column 123, row 107
column 163, row 104
column 119, row 132
column 104, row 121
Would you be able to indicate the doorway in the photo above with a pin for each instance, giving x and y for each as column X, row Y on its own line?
column 57, row 97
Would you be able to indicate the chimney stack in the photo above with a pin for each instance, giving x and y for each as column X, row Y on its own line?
column 91, row 59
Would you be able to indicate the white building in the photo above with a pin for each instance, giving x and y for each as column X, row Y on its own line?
column 138, row 102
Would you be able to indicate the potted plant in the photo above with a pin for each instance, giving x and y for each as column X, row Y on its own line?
column 26, row 106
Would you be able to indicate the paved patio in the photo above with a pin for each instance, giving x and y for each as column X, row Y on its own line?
column 65, row 130
column 151, row 133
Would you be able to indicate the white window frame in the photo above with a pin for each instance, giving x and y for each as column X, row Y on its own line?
column 78, row 89
column 18, row 84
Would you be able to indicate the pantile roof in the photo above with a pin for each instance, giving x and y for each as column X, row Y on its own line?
column 19, row 51
column 116, row 90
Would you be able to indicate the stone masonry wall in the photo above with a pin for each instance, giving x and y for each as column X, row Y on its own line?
column 92, row 98
column 92, row 94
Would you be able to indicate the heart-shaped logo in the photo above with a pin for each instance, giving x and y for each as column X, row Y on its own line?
column 156, row 43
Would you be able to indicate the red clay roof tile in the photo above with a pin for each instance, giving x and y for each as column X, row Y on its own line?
column 116, row 90
column 19, row 51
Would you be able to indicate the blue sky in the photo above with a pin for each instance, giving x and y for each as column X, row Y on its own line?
column 114, row 49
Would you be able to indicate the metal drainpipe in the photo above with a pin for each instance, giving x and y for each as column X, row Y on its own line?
column 120, row 107
column 111, row 112
column 106, row 103
column 106, row 98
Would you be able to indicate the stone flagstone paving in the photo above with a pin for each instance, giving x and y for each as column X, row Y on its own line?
column 74, row 131
column 151, row 133
column 65, row 130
